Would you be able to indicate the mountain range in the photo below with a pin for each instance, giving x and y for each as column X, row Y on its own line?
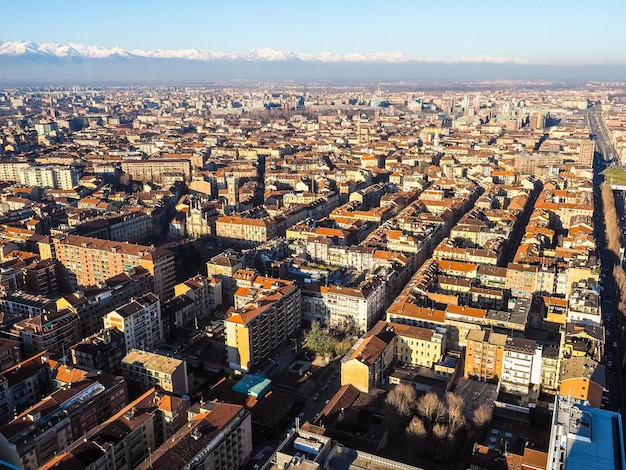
column 30, row 62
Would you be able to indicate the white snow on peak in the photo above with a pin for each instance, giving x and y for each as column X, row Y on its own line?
column 82, row 51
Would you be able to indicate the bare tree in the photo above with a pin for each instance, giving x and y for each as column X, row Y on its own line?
column 440, row 431
column 416, row 433
column 482, row 415
column 430, row 407
column 416, row 428
column 403, row 399
column 456, row 408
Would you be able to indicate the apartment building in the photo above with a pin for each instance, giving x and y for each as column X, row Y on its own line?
column 49, row 427
column 254, row 331
column 23, row 385
column 89, row 261
column 139, row 320
column 93, row 302
column 365, row 365
column 50, row 331
column 225, row 265
column 245, row 231
column 10, row 353
column 154, row 169
column 484, row 352
column 199, row 295
column 415, row 346
column 357, row 308
column 55, row 177
column 144, row 370
column 521, row 365
column 583, row 378
column 42, row 278
column 103, row 351
column 125, row 440
column 220, row 439
column 11, row 170
column 132, row 227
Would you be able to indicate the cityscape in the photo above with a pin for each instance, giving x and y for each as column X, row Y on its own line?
column 328, row 251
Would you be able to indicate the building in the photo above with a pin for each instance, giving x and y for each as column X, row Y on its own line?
column 23, row 385
column 102, row 351
column 225, row 265
column 583, row 437
column 154, row 169
column 584, row 379
column 10, row 354
column 91, row 303
column 125, row 440
column 219, row 439
column 144, row 370
column 50, row 331
column 355, row 308
column 139, row 320
column 42, row 278
column 55, row 177
column 366, row 364
column 245, row 231
column 132, row 227
column 521, row 365
column 89, row 261
column 194, row 300
column 256, row 330
column 39, row 433
column 484, row 351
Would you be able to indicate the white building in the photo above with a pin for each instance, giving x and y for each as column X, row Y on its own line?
column 358, row 307
column 521, row 365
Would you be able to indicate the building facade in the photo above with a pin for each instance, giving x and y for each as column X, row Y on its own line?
column 140, row 321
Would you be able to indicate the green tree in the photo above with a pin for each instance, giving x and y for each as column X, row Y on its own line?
column 319, row 340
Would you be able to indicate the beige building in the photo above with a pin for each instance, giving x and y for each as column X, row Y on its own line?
column 145, row 370
column 224, row 265
column 244, row 231
column 365, row 365
column 155, row 169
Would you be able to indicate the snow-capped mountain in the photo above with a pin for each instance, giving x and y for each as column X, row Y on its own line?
column 25, row 62
column 72, row 50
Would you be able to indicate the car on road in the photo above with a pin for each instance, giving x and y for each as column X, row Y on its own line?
column 609, row 364
column 614, row 344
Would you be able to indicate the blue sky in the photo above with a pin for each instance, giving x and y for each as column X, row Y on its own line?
column 548, row 31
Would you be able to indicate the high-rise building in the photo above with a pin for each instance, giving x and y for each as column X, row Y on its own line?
column 254, row 331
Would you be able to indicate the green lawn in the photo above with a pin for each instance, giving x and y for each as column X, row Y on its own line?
column 615, row 176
